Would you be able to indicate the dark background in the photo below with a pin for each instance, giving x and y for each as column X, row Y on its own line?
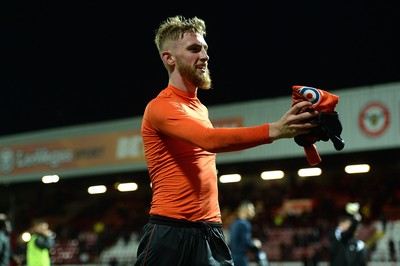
column 66, row 63
column 75, row 62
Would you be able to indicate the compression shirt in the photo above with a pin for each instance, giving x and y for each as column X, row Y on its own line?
column 180, row 146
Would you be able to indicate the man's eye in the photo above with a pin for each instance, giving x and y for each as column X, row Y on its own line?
column 195, row 50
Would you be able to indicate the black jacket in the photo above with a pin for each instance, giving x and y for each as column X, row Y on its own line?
column 345, row 249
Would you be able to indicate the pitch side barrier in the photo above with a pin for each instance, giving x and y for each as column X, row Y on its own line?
column 369, row 116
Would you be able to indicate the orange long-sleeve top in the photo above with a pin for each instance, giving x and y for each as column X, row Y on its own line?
column 180, row 145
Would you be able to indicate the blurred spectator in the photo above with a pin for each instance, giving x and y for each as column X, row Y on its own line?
column 113, row 261
column 392, row 250
column 5, row 249
column 6, row 254
column 241, row 239
column 38, row 247
column 345, row 248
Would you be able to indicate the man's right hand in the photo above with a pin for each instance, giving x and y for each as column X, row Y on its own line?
column 293, row 122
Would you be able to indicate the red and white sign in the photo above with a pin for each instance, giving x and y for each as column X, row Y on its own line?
column 374, row 119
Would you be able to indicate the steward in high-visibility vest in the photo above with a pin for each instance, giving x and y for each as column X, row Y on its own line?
column 42, row 240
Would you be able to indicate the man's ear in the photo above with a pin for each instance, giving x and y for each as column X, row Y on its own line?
column 168, row 58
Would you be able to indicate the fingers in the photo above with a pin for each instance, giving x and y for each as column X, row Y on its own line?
column 294, row 123
column 302, row 106
column 304, row 119
column 303, row 111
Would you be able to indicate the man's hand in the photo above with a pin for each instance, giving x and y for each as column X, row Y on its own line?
column 352, row 208
column 293, row 122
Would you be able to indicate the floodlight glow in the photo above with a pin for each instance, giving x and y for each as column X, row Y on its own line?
column 47, row 179
column 357, row 168
column 232, row 178
column 309, row 172
column 97, row 189
column 270, row 175
column 123, row 187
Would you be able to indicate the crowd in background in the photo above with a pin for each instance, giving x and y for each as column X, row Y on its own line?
column 93, row 223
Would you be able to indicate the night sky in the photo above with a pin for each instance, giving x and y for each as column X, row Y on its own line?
column 67, row 63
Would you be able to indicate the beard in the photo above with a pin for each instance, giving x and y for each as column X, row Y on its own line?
column 202, row 81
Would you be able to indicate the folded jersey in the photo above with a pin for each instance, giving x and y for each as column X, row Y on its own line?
column 329, row 125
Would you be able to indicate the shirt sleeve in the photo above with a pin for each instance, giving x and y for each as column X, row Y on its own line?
column 174, row 120
column 44, row 242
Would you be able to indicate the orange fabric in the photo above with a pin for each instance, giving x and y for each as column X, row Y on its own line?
column 312, row 155
column 180, row 145
column 322, row 101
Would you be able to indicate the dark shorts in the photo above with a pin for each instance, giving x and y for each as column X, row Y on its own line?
column 167, row 242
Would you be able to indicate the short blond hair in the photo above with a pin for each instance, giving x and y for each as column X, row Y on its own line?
column 173, row 28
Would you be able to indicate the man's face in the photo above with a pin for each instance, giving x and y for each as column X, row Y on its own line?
column 191, row 60
column 41, row 227
column 345, row 225
column 251, row 211
column 8, row 226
